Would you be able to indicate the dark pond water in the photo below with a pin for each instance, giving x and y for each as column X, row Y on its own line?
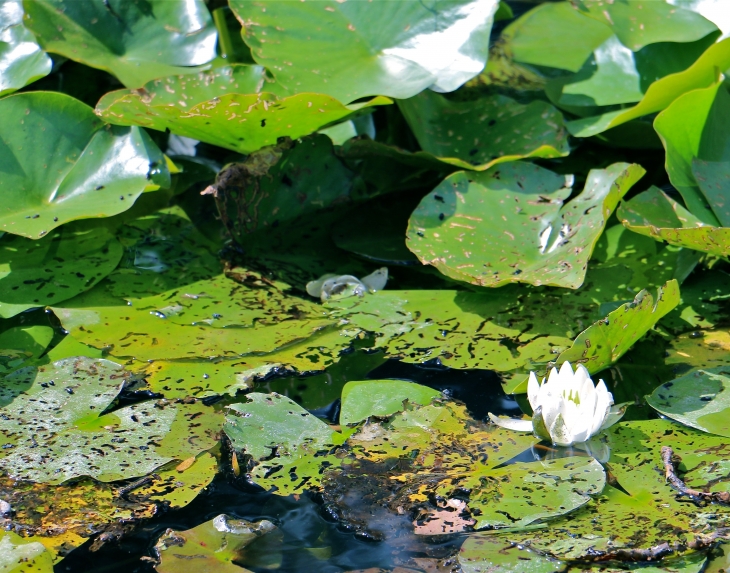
column 310, row 536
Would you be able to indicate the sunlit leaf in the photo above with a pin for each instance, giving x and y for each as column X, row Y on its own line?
column 509, row 224
column 381, row 398
column 484, row 553
column 228, row 107
column 407, row 49
column 21, row 59
column 18, row 554
column 135, row 42
column 60, row 163
column 53, row 427
column 40, row 272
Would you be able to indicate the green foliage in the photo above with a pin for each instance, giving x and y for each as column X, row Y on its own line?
column 21, row 59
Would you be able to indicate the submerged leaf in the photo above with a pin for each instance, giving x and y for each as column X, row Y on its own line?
column 509, row 224
column 61, row 163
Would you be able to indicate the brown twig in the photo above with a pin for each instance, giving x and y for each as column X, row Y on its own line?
column 670, row 461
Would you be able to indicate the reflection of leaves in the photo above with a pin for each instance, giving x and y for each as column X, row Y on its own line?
column 61, row 163
column 406, row 49
column 53, row 427
column 134, row 41
column 509, row 224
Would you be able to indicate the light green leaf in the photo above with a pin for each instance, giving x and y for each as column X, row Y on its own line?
column 698, row 399
column 21, row 59
column 480, row 133
column 61, row 163
column 18, row 554
column 53, row 427
column 20, row 344
column 362, row 399
column 406, row 49
column 135, row 42
column 46, row 271
column 661, row 93
column 482, row 553
column 604, row 342
column 225, row 107
column 509, row 224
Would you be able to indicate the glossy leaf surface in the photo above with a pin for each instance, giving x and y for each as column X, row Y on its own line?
column 135, row 42
column 61, row 163
column 21, row 59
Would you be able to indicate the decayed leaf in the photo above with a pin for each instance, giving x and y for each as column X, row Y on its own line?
column 509, row 224
column 135, row 42
column 53, row 427
column 61, row 163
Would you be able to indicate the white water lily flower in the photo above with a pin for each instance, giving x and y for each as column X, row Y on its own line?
column 567, row 408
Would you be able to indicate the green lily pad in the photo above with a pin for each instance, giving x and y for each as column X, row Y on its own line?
column 509, row 224
column 288, row 443
column 21, row 59
column 642, row 511
column 19, row 554
column 362, row 399
column 481, row 133
column 407, row 49
column 72, row 437
column 134, row 42
column 40, row 272
column 61, row 163
column 215, row 545
column 484, row 553
column 699, row 349
column 20, row 344
column 688, row 150
column 698, row 399
column 660, row 94
column 604, row 342
column 654, row 214
column 225, row 107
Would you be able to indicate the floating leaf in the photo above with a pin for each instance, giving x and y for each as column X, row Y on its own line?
column 134, row 42
column 40, row 272
column 63, row 405
column 19, row 554
column 407, row 49
column 698, row 399
column 22, row 343
column 689, row 150
column 699, row 349
column 483, row 553
column 215, row 545
column 509, row 224
column 288, row 443
column 604, row 342
column 660, row 94
column 61, row 163
column 21, row 59
column 478, row 134
column 654, row 214
column 224, row 107
column 381, row 398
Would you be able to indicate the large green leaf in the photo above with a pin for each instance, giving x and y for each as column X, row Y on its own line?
column 18, row 554
column 604, row 342
column 225, row 107
column 483, row 553
column 40, row 272
column 407, row 48
column 53, row 427
column 708, row 112
column 509, row 224
column 480, row 133
column 134, row 41
column 365, row 398
column 20, row 344
column 698, row 399
column 661, row 93
column 656, row 215
column 60, row 163
column 21, row 59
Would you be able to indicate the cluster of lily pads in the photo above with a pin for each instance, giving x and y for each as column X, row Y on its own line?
column 189, row 192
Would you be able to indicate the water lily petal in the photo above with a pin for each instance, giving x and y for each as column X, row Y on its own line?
column 533, row 388
column 559, row 432
column 602, row 408
column 538, row 425
column 511, row 423
column 615, row 415
column 565, row 377
column 550, row 410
